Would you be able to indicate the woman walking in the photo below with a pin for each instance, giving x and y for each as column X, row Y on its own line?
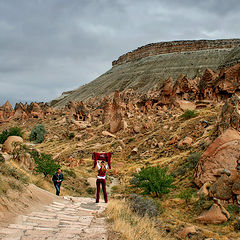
column 101, row 180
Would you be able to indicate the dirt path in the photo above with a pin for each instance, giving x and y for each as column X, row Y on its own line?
column 65, row 218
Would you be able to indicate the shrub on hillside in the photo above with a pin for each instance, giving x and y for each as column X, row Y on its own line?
column 153, row 180
column 38, row 133
column 188, row 165
column 7, row 170
column 45, row 164
column 2, row 159
column 14, row 131
column 193, row 160
column 69, row 173
column 186, row 195
column 142, row 206
column 188, row 114
column 237, row 225
column 71, row 135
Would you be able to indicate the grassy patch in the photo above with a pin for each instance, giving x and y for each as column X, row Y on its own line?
column 188, row 114
column 130, row 225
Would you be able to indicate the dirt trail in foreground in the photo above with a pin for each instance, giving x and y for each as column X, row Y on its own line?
column 65, row 218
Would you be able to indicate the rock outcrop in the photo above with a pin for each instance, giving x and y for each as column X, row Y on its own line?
column 217, row 214
column 175, row 47
column 223, row 153
column 8, row 144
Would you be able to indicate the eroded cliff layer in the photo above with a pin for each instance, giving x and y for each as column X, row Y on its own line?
column 175, row 47
column 148, row 72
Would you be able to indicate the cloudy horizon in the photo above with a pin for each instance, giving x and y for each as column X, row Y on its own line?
column 49, row 47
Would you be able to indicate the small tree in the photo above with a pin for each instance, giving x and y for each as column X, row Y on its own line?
column 45, row 164
column 38, row 133
column 153, row 180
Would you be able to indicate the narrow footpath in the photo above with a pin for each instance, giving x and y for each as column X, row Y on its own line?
column 66, row 218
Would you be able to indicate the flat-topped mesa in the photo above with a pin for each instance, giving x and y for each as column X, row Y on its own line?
column 175, row 47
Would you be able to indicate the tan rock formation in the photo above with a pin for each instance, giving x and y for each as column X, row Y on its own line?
column 230, row 115
column 217, row 214
column 227, row 186
column 186, row 105
column 8, row 144
column 186, row 232
column 223, row 153
column 72, row 162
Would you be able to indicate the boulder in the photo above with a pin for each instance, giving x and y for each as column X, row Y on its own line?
column 136, row 129
column 204, row 190
column 226, row 186
column 8, row 144
column 72, row 162
column 134, row 151
column 217, row 214
column 108, row 134
column 186, row 105
column 119, row 149
column 160, row 145
column 81, row 125
column 223, row 153
column 173, row 140
column 186, row 232
column 125, row 125
column 187, row 141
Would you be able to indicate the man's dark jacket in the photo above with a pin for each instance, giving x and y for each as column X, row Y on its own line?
column 57, row 177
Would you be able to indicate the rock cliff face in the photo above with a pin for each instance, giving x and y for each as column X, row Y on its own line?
column 175, row 47
column 148, row 67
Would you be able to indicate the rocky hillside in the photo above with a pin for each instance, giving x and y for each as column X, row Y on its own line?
column 190, row 125
column 147, row 67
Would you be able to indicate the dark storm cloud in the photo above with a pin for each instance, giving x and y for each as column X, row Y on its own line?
column 47, row 47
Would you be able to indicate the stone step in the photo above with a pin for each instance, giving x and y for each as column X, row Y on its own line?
column 60, row 220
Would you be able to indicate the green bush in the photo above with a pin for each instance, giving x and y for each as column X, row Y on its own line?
column 153, row 180
column 192, row 160
column 70, row 173
column 188, row 165
column 38, row 133
column 2, row 159
column 45, row 164
column 186, row 195
column 233, row 209
column 71, row 135
column 143, row 206
column 188, row 114
column 236, row 225
column 90, row 190
column 14, row 131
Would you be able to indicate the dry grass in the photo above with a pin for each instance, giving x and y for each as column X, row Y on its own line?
column 130, row 225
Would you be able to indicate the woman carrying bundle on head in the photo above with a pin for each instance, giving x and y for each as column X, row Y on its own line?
column 101, row 179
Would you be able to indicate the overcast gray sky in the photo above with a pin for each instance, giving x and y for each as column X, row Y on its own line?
column 51, row 46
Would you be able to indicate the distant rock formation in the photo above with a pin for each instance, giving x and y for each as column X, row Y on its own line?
column 175, row 47
column 147, row 67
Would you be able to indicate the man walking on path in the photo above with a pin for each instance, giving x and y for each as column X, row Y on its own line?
column 57, row 180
